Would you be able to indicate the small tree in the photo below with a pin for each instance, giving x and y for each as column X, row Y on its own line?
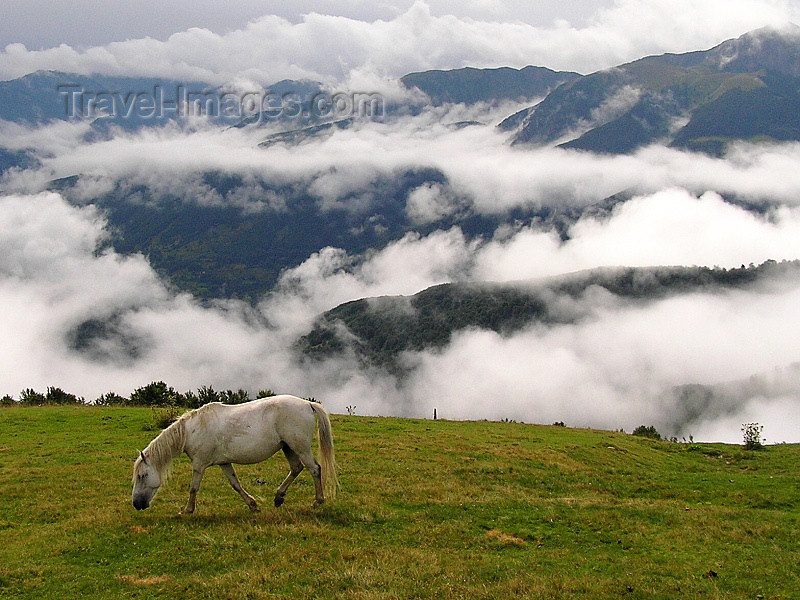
column 231, row 397
column 752, row 435
column 7, row 401
column 207, row 394
column 154, row 394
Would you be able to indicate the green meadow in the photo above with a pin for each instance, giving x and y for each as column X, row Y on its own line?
column 427, row 509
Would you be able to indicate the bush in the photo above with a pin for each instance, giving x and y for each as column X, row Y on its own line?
column 188, row 399
column 231, row 397
column 58, row 396
column 111, row 399
column 164, row 416
column 154, row 394
column 206, row 395
column 54, row 395
column 648, row 432
column 30, row 397
column 752, row 436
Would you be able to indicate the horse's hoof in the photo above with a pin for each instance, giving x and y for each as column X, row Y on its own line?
column 317, row 503
column 278, row 501
column 254, row 508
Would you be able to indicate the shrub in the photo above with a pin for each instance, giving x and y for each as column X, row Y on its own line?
column 154, row 394
column 752, row 435
column 163, row 417
column 30, row 397
column 231, row 397
column 648, row 432
column 206, row 395
column 188, row 399
column 111, row 399
column 58, row 396
column 7, row 401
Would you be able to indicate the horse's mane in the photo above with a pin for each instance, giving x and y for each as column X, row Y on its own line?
column 166, row 446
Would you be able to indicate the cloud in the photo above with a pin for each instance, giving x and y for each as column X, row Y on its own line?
column 670, row 227
column 56, row 276
column 616, row 369
column 80, row 316
column 619, row 366
column 616, row 105
column 611, row 370
column 331, row 277
column 325, row 46
column 344, row 170
column 778, row 416
column 429, row 203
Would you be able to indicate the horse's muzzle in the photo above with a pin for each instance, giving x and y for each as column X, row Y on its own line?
column 140, row 503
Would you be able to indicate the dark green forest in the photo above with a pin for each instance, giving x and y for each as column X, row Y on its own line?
column 378, row 330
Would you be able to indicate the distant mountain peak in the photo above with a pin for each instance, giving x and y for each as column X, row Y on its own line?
column 747, row 88
column 772, row 48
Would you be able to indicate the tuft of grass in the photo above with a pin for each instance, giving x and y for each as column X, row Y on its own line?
column 427, row 509
column 162, row 417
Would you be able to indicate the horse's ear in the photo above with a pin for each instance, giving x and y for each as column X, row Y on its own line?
column 143, row 457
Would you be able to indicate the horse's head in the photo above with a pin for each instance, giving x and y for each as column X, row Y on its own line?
column 146, row 481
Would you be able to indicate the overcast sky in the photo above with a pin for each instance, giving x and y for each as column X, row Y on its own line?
column 264, row 40
column 76, row 23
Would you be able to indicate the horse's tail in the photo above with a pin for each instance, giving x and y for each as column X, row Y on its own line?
column 327, row 460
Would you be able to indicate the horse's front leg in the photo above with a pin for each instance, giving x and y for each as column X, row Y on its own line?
column 197, row 477
column 230, row 473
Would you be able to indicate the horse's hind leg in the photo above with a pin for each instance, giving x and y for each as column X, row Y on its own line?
column 230, row 473
column 295, row 467
column 316, row 472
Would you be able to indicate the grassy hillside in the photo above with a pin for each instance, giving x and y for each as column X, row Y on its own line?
column 428, row 509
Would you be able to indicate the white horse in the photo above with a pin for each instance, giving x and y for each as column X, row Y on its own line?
column 221, row 434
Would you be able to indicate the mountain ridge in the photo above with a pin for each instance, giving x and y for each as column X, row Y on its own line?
column 751, row 84
column 469, row 85
column 379, row 330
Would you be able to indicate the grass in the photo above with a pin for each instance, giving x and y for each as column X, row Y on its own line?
column 428, row 509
